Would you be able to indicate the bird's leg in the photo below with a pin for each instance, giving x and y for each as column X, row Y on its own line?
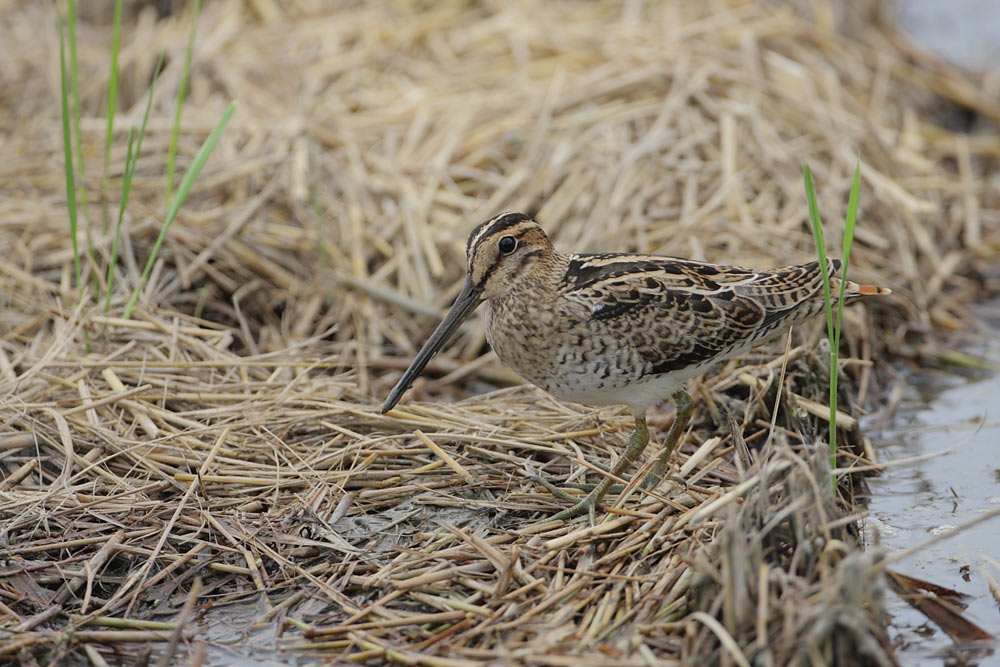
column 636, row 443
column 684, row 405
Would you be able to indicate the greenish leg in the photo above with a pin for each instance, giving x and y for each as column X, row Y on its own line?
column 636, row 443
column 684, row 405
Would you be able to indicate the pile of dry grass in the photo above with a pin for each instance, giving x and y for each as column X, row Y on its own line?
column 215, row 468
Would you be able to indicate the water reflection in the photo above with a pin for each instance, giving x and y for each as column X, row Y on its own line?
column 929, row 497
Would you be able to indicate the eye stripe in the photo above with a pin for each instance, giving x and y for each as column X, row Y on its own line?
column 486, row 276
column 505, row 222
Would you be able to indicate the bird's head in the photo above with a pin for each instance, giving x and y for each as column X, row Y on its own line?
column 502, row 253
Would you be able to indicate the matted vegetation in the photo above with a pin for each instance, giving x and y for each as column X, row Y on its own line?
column 212, row 474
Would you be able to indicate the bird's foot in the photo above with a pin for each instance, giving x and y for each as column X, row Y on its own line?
column 556, row 491
column 654, row 478
column 587, row 506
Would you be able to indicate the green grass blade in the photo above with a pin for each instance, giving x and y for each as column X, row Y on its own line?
column 181, row 95
column 81, row 190
column 68, row 155
column 179, row 198
column 74, row 72
column 817, row 230
column 834, row 325
column 849, row 222
column 131, row 157
column 112, row 106
column 131, row 154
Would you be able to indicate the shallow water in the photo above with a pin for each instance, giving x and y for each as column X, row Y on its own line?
column 912, row 503
column 963, row 32
column 909, row 504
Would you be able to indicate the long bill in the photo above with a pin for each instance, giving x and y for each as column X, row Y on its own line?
column 465, row 303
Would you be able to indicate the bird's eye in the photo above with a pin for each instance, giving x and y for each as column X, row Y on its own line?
column 507, row 245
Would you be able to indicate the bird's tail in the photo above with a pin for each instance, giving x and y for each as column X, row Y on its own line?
column 855, row 290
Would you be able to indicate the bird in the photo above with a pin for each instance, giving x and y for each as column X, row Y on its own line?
column 618, row 328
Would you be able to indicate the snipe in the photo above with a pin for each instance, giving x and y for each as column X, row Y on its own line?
column 618, row 329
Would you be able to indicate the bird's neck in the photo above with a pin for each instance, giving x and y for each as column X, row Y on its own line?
column 548, row 272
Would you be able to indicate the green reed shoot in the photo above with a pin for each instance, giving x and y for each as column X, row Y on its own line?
column 131, row 157
column 68, row 155
column 833, row 323
column 183, row 190
column 112, row 106
column 135, row 138
column 175, row 131
column 74, row 77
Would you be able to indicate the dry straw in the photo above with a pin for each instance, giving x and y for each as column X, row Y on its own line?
column 228, row 432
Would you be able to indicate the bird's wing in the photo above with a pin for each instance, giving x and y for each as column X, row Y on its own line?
column 680, row 313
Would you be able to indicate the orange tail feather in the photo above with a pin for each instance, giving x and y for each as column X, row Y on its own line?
column 855, row 289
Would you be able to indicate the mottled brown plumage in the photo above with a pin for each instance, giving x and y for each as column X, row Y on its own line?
column 618, row 328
